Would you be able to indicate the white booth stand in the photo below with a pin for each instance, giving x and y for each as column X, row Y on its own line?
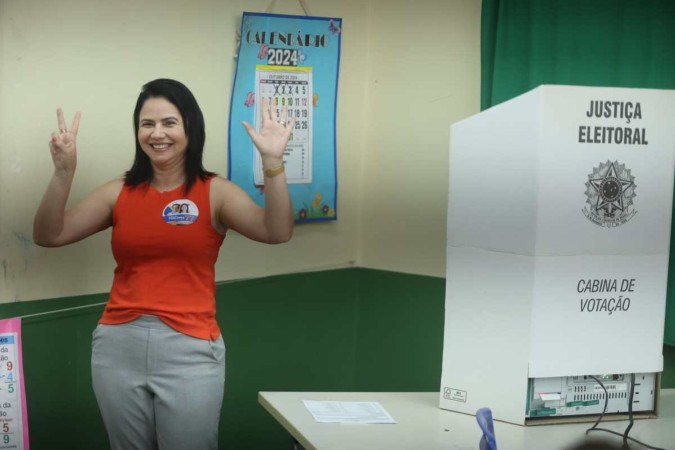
column 559, row 221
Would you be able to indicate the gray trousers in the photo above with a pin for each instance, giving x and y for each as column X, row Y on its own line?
column 157, row 388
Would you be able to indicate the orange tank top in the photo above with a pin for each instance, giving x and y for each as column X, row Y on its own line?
column 166, row 249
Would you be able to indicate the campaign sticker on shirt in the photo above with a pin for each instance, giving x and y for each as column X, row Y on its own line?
column 180, row 212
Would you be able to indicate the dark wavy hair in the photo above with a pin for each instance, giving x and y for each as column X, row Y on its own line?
column 193, row 123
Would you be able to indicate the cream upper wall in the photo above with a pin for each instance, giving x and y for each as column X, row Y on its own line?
column 424, row 74
column 93, row 56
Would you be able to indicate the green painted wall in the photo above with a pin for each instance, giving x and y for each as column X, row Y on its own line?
column 340, row 330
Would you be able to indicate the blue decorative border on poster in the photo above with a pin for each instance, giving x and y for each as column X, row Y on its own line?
column 314, row 44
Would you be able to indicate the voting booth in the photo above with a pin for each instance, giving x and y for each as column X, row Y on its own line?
column 558, row 237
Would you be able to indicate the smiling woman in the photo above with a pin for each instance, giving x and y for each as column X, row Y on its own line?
column 166, row 112
column 158, row 357
column 162, row 138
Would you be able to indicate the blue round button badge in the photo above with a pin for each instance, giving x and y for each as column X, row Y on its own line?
column 180, row 212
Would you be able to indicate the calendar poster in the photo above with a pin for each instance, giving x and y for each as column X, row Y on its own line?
column 293, row 61
column 13, row 415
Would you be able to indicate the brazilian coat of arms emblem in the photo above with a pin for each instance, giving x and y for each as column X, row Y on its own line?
column 610, row 191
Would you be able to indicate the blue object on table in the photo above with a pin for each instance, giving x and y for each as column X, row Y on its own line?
column 484, row 419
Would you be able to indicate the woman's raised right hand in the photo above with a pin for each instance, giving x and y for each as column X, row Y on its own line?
column 63, row 144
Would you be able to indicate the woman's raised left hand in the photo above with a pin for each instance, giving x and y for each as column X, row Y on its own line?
column 274, row 133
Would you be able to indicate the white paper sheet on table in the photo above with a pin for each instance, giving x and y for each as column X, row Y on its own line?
column 355, row 412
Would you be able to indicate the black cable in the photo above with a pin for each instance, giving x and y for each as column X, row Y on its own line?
column 604, row 410
column 629, row 438
column 625, row 436
column 630, row 410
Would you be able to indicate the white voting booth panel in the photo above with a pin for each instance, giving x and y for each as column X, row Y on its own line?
column 558, row 239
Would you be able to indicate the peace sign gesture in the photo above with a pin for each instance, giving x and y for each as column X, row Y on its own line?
column 63, row 144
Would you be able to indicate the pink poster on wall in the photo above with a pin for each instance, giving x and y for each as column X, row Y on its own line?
column 13, row 414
